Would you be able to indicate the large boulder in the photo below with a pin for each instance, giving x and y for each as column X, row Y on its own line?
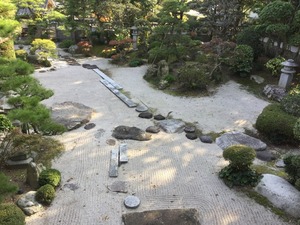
column 274, row 92
column 281, row 193
column 237, row 138
column 71, row 114
column 134, row 133
column 28, row 203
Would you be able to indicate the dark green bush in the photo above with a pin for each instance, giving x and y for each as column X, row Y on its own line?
column 5, row 124
column 45, row 194
column 238, row 172
column 276, row 124
column 49, row 127
column 242, row 59
column 66, row 43
column 6, row 187
column 292, row 167
column 239, row 156
column 193, row 76
column 135, row 62
column 50, row 176
column 22, row 68
column 274, row 65
column 296, row 130
column 10, row 214
column 291, row 104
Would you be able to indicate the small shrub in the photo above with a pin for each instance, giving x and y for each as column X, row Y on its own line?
column 274, row 65
column 66, row 43
column 291, row 104
column 242, row 59
column 170, row 78
column 135, row 62
column 21, row 54
column 276, row 125
column 238, row 172
column 296, row 130
column 193, row 76
column 48, row 127
column 6, row 187
column 85, row 47
column 292, row 167
column 45, row 194
column 5, row 124
column 50, row 176
column 10, row 214
column 43, row 48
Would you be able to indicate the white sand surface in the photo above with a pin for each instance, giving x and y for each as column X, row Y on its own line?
column 168, row 171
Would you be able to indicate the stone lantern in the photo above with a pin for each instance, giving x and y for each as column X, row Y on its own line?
column 134, row 33
column 287, row 73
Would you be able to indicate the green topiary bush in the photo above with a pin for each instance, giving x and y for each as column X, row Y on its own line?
column 291, row 104
column 276, row 125
column 274, row 65
column 10, row 214
column 43, row 48
column 238, row 172
column 66, row 43
column 45, row 194
column 21, row 54
column 135, row 62
column 292, row 167
column 50, row 176
column 242, row 59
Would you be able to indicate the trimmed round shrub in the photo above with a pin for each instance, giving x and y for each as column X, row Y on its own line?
column 242, row 59
column 21, row 54
column 276, row 125
column 45, row 194
column 292, row 167
column 239, row 156
column 50, row 176
column 66, row 43
column 10, row 214
column 135, row 62
column 291, row 104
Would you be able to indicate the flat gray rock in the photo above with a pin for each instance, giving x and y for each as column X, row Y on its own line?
column 265, row 155
column 280, row 163
column 206, row 139
column 237, row 138
column 146, row 115
column 89, row 126
column 257, row 79
column 132, row 202
column 134, row 133
column 118, row 186
column 189, row 129
column 28, row 203
column 141, row 108
column 191, row 136
column 153, row 129
column 71, row 114
column 171, row 125
column 159, row 117
column 281, row 193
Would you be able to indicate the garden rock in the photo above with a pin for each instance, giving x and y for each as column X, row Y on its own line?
column 159, row 117
column 141, row 108
column 72, row 49
column 163, row 69
column 171, row 125
column 237, row 138
column 134, row 133
column 71, row 114
column 153, row 129
column 257, row 79
column 280, row 163
column 33, row 172
column 28, row 203
column 274, row 92
column 146, row 115
column 189, row 129
column 206, row 139
column 191, row 136
column 281, row 193
column 265, row 155
column 89, row 126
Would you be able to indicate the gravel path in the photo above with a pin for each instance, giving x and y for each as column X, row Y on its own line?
column 169, row 171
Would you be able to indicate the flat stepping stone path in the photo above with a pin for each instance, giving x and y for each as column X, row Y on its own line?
column 171, row 125
column 159, row 117
column 89, row 126
column 134, row 133
column 237, row 138
column 146, row 115
column 141, row 108
column 132, row 202
column 191, row 136
column 265, row 155
column 189, row 129
column 206, row 139
column 118, row 186
column 153, row 129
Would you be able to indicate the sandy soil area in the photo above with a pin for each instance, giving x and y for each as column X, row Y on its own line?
column 167, row 172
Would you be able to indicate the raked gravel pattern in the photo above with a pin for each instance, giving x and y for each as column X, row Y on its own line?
column 167, row 172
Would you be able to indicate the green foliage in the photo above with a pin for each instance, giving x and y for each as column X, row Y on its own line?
column 276, row 124
column 45, row 194
column 276, row 12
column 66, row 43
column 292, row 167
column 49, row 127
column 135, row 62
column 5, row 124
column 239, row 156
column 193, row 76
column 21, row 54
column 291, row 104
column 11, row 214
column 242, row 59
column 294, row 40
column 43, row 48
column 50, row 176
column 274, row 65
column 296, row 130
column 7, row 49
column 6, row 187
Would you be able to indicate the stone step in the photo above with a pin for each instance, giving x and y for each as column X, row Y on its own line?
column 123, row 153
column 108, row 79
column 114, row 163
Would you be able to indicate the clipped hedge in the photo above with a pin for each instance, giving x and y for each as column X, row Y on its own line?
column 50, row 176
column 239, row 156
column 10, row 214
column 45, row 194
column 277, row 125
column 291, row 104
column 292, row 167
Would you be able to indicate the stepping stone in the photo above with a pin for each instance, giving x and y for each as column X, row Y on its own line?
column 132, row 202
column 237, row 138
column 123, row 153
column 280, row 163
column 171, row 125
column 141, row 108
column 189, row 129
column 265, row 155
column 159, row 117
column 118, row 186
column 206, row 139
column 114, row 163
column 89, row 126
column 153, row 129
column 191, row 136
column 134, row 133
column 146, row 115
